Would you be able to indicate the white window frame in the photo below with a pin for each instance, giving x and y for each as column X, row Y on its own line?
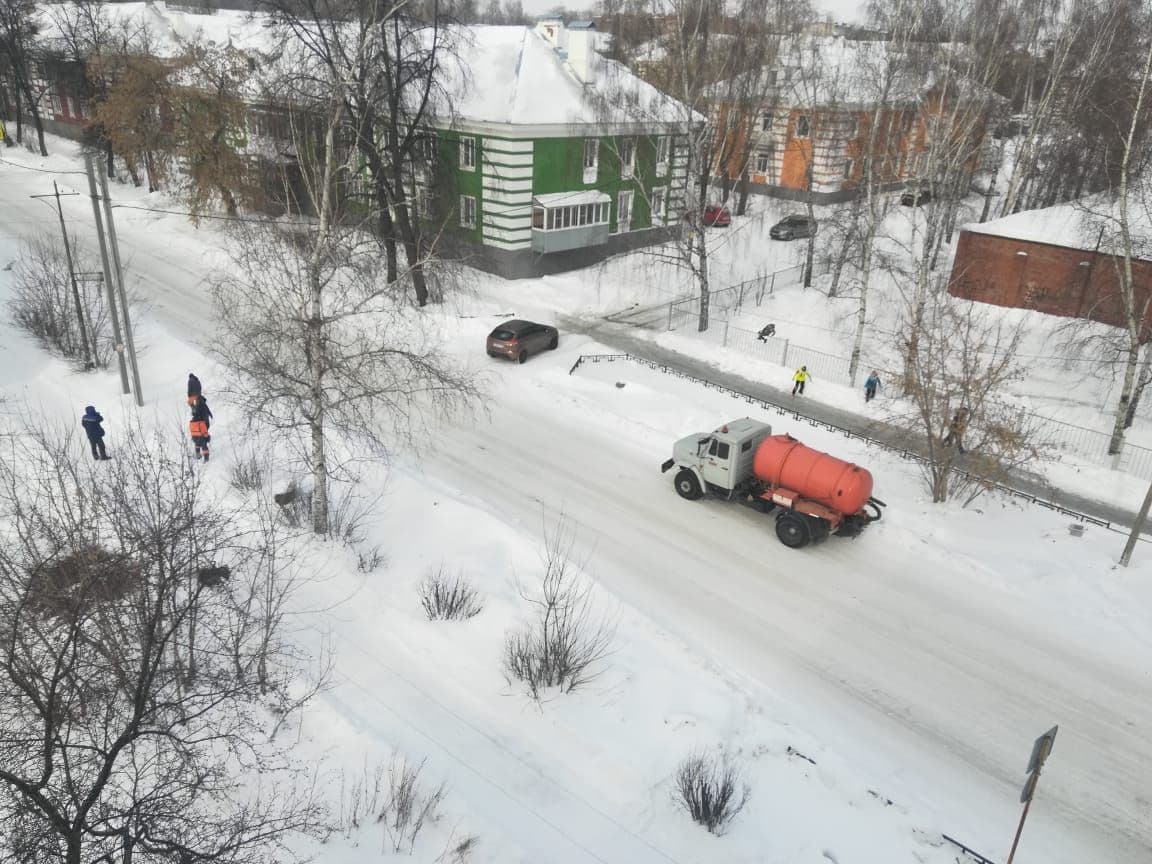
column 766, row 121
column 769, row 156
column 849, row 165
column 591, row 171
column 627, row 168
column 659, row 196
column 854, row 129
column 807, row 133
column 624, row 195
column 467, row 203
column 663, row 153
column 468, row 153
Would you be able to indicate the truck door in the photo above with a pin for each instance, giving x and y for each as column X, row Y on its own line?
column 716, row 468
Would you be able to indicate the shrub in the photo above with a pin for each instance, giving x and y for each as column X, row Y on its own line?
column 43, row 303
column 565, row 645
column 709, row 788
column 248, row 472
column 449, row 598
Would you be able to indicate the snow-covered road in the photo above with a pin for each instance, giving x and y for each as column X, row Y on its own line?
column 889, row 650
column 879, row 648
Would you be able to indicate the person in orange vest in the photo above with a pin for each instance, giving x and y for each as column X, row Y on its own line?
column 198, row 427
column 194, row 390
column 800, row 378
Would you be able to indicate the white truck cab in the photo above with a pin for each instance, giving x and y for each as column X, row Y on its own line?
column 719, row 461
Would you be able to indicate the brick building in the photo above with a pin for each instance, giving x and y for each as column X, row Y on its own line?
column 801, row 124
column 1060, row 260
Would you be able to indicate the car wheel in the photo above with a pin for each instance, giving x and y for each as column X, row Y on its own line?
column 687, row 486
column 792, row 531
column 554, row 342
column 523, row 357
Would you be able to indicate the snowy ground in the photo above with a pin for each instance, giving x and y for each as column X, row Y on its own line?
column 916, row 663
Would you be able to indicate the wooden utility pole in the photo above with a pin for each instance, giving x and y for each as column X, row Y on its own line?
column 118, row 271
column 109, row 287
column 1137, row 527
column 89, row 361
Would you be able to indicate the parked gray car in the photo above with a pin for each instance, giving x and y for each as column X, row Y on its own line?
column 793, row 227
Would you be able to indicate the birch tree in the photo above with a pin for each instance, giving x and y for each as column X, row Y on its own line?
column 317, row 337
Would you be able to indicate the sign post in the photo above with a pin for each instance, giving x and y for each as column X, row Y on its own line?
column 1040, row 752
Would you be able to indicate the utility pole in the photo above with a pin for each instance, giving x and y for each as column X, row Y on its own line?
column 119, row 273
column 1137, row 527
column 109, row 286
column 89, row 362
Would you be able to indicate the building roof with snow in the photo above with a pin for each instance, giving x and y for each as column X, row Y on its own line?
column 1091, row 225
column 529, row 77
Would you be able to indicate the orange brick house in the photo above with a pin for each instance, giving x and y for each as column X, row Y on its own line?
column 1060, row 260
column 804, row 122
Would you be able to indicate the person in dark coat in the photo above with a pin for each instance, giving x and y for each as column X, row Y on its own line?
column 871, row 385
column 199, row 427
column 766, row 331
column 91, row 422
column 194, row 390
column 956, row 430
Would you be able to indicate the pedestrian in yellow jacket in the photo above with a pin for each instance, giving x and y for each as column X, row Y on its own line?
column 800, row 378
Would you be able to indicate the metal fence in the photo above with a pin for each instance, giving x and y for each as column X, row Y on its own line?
column 683, row 315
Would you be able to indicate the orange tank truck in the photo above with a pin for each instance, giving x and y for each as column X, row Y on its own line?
column 813, row 494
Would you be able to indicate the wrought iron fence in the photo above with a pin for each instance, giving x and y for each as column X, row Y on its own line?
column 683, row 315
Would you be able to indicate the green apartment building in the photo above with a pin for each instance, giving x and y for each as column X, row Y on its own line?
column 556, row 157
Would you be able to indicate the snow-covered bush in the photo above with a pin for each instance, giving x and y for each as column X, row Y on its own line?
column 566, row 644
column 43, row 302
column 449, row 598
column 710, row 790
column 394, row 798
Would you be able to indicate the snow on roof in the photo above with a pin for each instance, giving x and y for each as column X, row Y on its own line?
column 569, row 199
column 513, row 75
column 502, row 75
column 1091, row 225
column 168, row 30
column 832, row 70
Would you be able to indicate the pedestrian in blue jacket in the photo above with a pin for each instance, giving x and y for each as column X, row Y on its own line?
column 871, row 385
column 91, row 422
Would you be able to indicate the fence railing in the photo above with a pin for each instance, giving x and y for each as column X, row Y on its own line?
column 1090, row 444
column 902, row 452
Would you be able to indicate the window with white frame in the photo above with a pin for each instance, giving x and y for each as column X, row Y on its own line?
column 853, row 126
column 764, row 157
column 662, row 147
column 591, row 152
column 766, row 121
column 570, row 216
column 467, row 211
column 659, row 200
column 468, row 154
column 627, row 157
column 849, row 164
column 432, row 148
column 803, row 127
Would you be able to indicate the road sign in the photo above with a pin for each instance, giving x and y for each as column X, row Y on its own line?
column 1041, row 750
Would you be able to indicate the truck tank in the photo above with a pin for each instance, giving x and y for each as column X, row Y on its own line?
column 781, row 460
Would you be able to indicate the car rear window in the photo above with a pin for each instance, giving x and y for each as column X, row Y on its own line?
column 504, row 334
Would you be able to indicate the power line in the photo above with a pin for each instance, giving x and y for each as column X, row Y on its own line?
column 191, row 214
column 38, row 170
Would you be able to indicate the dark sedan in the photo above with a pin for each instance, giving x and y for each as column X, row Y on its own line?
column 518, row 339
column 793, row 227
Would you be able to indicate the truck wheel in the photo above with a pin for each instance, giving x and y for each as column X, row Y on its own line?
column 792, row 531
column 687, row 486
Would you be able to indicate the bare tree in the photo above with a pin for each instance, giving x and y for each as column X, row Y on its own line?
column 958, row 358
column 124, row 732
column 317, row 338
column 18, row 47
column 385, row 61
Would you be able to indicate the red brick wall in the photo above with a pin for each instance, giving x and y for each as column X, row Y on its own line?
column 1051, row 279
